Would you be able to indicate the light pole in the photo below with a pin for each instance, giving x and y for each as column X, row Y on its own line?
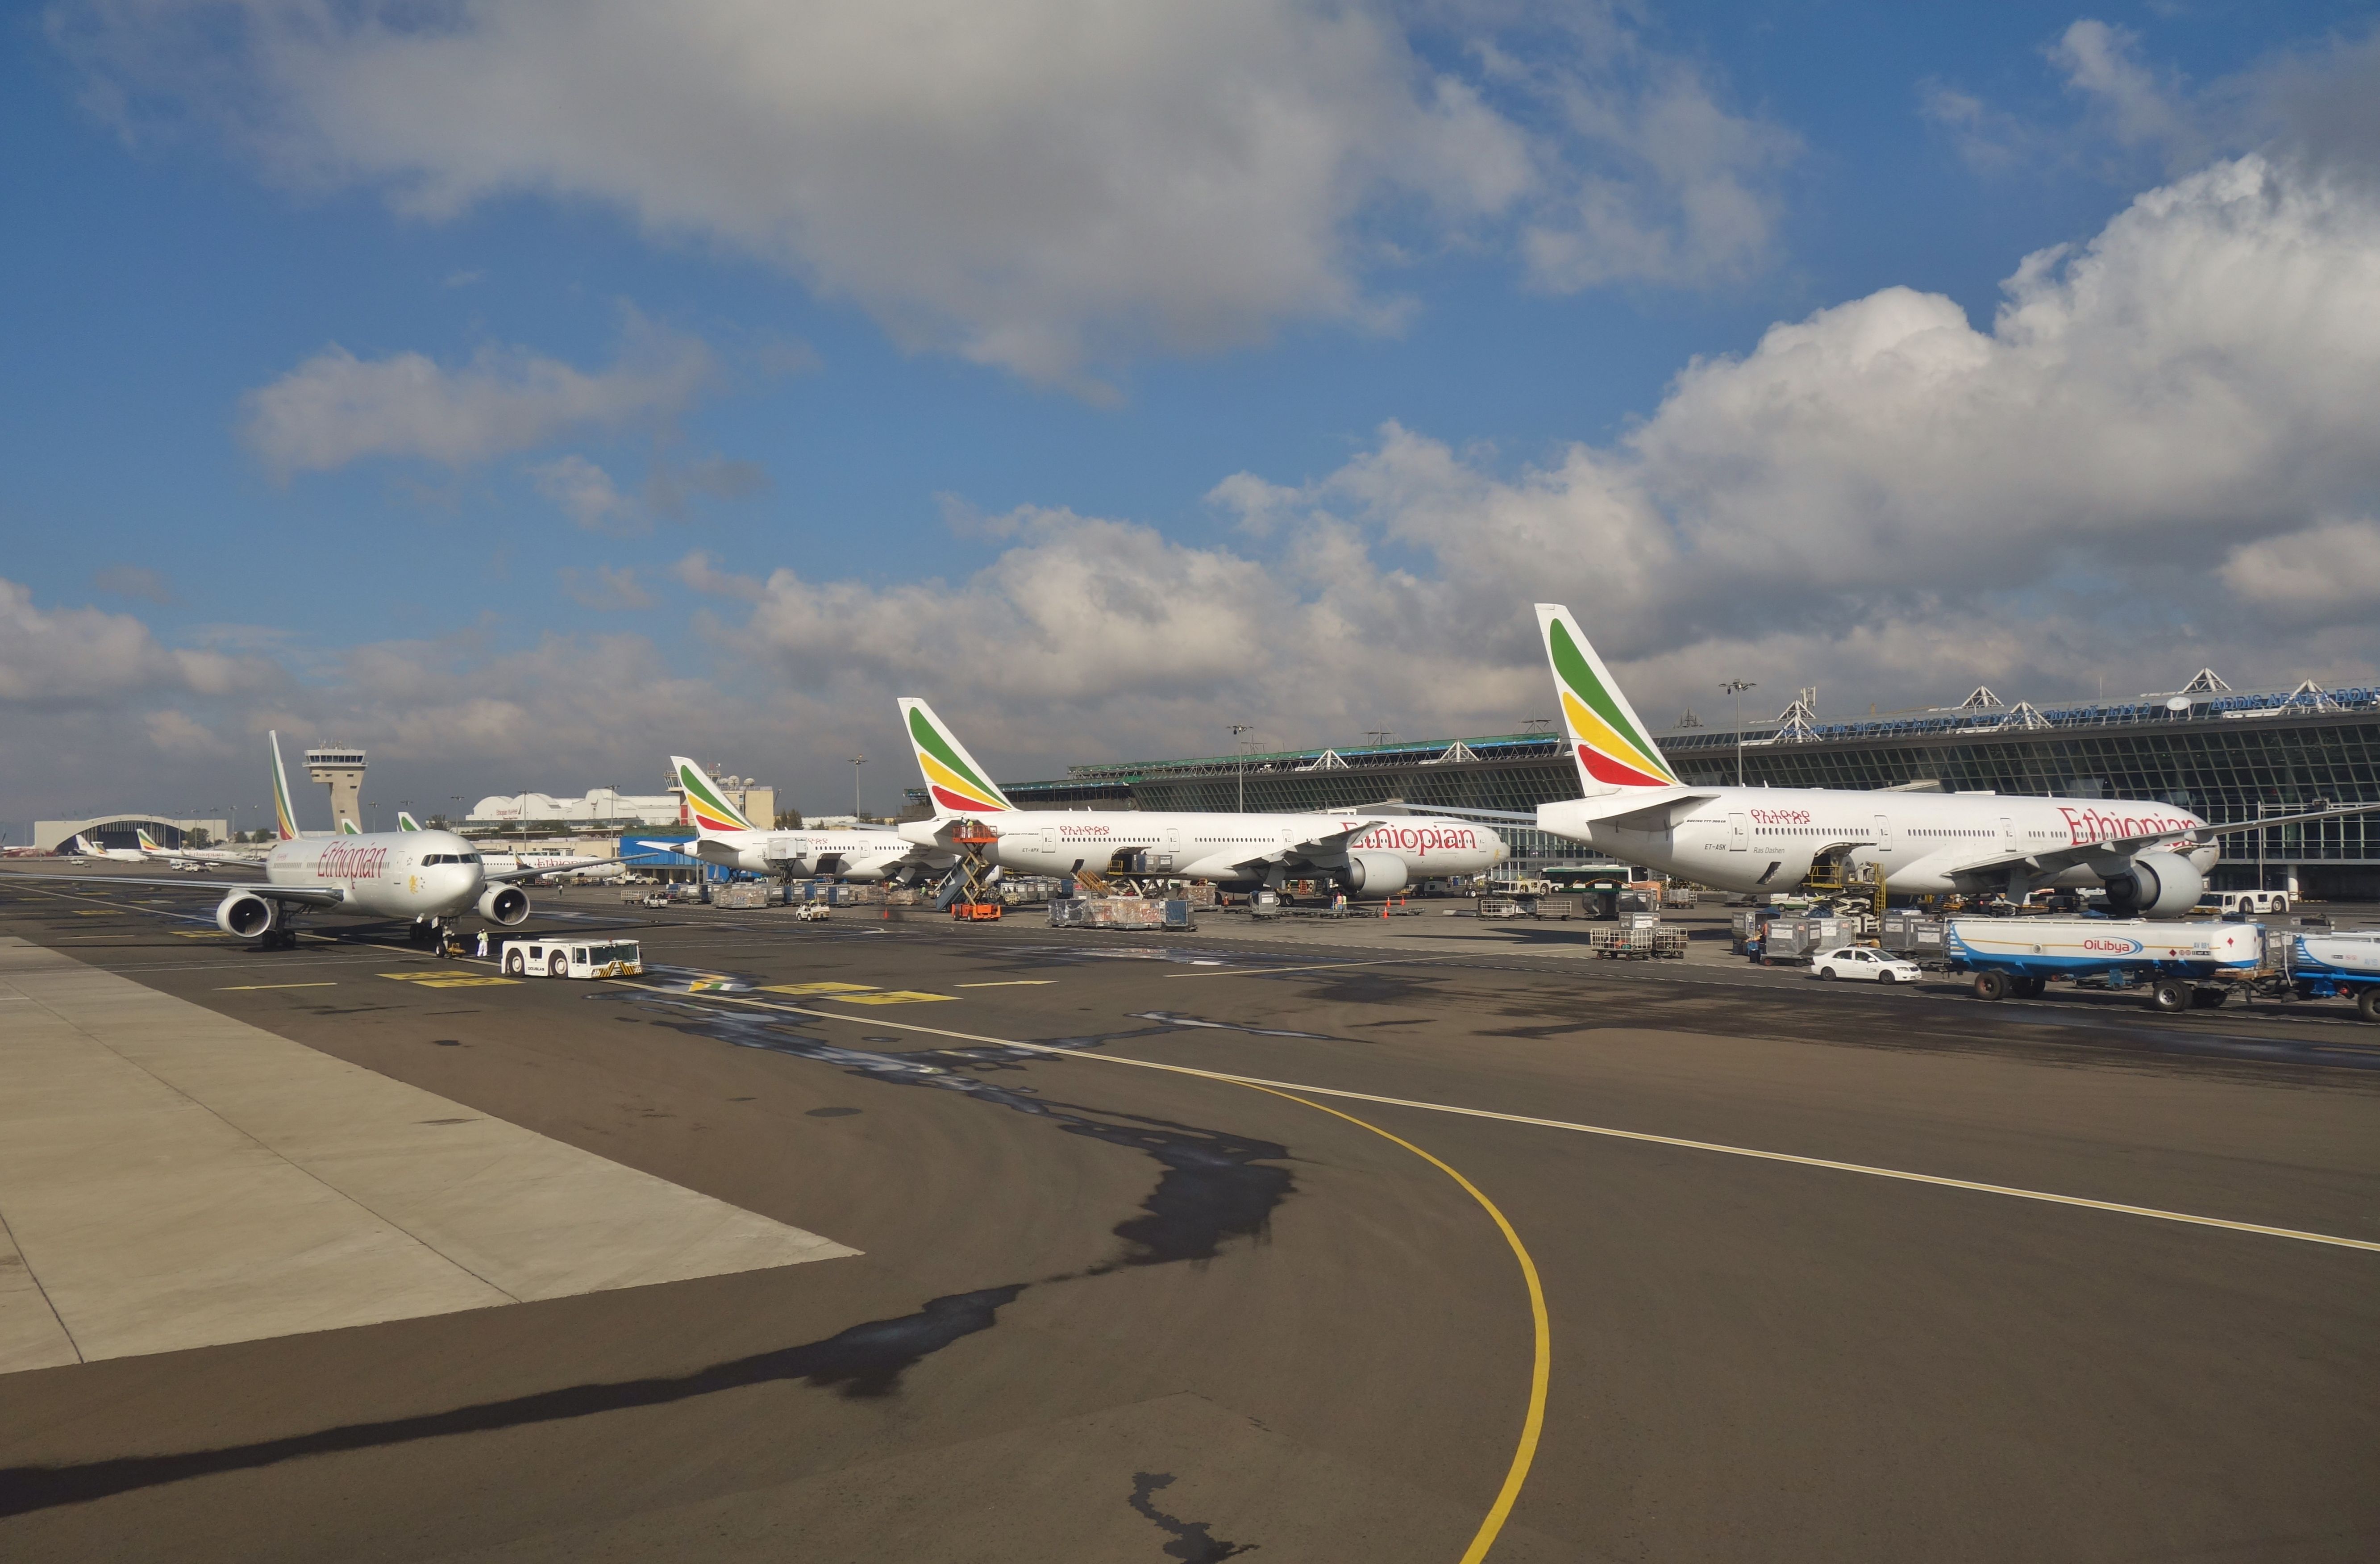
column 1238, row 729
column 857, row 761
column 1736, row 688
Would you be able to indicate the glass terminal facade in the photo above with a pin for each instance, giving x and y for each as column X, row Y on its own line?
column 2223, row 753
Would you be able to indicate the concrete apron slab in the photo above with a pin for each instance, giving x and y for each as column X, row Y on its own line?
column 172, row 1178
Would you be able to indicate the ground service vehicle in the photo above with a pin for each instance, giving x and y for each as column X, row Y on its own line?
column 2253, row 903
column 2177, row 964
column 1860, row 963
column 2324, row 967
column 573, row 958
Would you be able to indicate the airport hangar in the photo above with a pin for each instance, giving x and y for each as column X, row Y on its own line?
column 2223, row 753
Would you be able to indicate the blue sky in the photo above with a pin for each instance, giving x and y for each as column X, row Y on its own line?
column 203, row 209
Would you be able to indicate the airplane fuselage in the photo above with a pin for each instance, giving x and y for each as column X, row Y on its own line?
column 412, row 874
column 1226, row 849
column 845, row 855
column 1767, row 839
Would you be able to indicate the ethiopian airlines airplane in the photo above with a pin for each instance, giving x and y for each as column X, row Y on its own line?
column 2151, row 859
column 429, row 877
column 1370, row 854
column 724, row 836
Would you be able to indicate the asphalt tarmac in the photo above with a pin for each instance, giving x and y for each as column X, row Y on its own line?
column 1801, row 1293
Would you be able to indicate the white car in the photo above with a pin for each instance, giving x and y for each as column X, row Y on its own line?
column 1858, row 961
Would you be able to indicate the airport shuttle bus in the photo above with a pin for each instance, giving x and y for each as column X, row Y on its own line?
column 1370, row 854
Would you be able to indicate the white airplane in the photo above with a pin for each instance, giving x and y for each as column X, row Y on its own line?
column 724, row 836
column 429, row 877
column 584, row 865
column 1370, row 854
column 2150, row 858
column 195, row 857
column 82, row 846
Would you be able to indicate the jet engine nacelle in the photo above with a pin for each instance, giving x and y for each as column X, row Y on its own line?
column 2156, row 885
column 245, row 913
column 504, row 904
column 1374, row 874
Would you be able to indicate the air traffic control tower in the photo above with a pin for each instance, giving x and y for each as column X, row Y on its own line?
column 339, row 767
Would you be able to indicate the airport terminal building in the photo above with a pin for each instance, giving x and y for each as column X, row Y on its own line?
column 2226, row 753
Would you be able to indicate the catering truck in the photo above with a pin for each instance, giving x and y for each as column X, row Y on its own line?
column 2175, row 966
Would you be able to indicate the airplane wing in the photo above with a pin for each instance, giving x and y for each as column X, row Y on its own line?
column 303, row 895
column 1325, row 846
column 1518, row 817
column 507, row 876
column 2113, row 849
column 1630, row 810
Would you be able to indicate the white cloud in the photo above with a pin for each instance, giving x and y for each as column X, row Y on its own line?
column 1050, row 186
column 586, row 494
column 135, row 581
column 56, row 658
column 2325, row 573
column 604, row 587
column 2157, row 454
column 1881, row 497
column 335, row 408
column 2318, row 105
column 180, row 735
column 1666, row 185
column 697, row 571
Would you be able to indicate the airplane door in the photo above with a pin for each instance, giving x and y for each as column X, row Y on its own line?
column 1884, row 832
column 1739, row 834
column 1049, row 839
column 2007, row 831
column 1173, row 847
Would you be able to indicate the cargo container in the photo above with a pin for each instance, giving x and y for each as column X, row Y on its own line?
column 1121, row 912
column 2176, row 964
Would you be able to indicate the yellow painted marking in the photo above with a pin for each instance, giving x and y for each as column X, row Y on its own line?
column 1645, row 1137
column 816, row 988
column 1533, row 1422
column 96, row 912
column 201, row 934
column 433, row 978
column 1541, row 1365
column 1005, row 983
column 252, row 988
column 890, row 996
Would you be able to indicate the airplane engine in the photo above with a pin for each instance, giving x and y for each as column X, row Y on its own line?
column 2156, row 885
column 505, row 904
column 1374, row 874
column 245, row 913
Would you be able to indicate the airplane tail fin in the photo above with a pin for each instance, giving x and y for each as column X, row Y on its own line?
column 81, row 846
column 285, row 815
column 404, row 821
column 350, row 828
column 1612, row 747
column 706, row 805
column 148, row 843
column 955, row 783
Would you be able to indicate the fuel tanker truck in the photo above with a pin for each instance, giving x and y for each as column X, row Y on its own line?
column 2175, row 965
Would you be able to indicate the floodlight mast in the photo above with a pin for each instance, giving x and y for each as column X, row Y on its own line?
column 1736, row 688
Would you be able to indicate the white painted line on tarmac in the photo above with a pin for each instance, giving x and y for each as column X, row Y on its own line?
column 1319, row 966
column 252, row 988
column 1645, row 1137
